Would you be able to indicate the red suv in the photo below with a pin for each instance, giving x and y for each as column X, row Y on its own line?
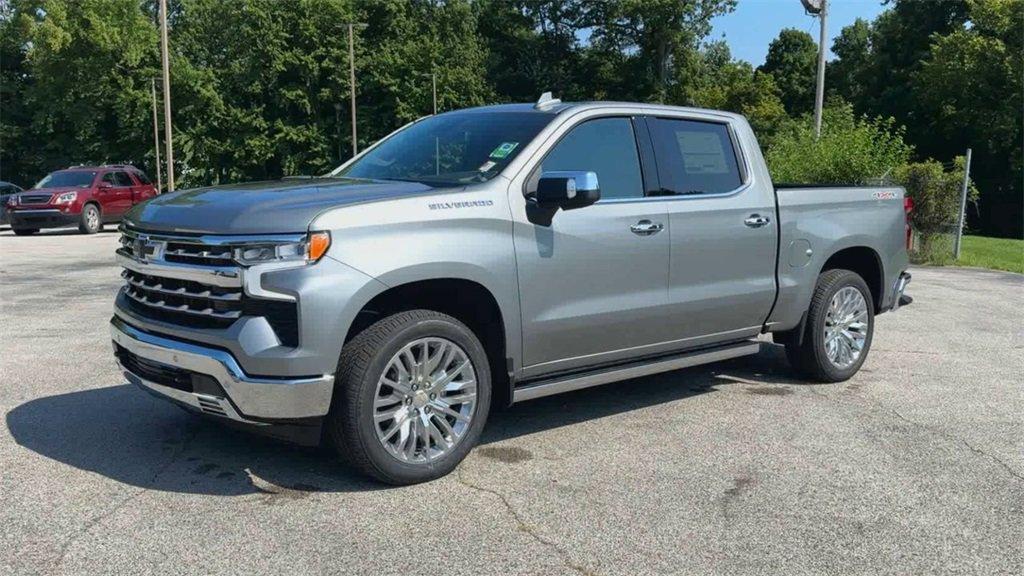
column 89, row 196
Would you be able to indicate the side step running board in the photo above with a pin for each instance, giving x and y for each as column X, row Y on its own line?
column 572, row 382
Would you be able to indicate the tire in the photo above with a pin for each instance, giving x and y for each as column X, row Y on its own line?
column 90, row 222
column 24, row 231
column 351, row 428
column 810, row 356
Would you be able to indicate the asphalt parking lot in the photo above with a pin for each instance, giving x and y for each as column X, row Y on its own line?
column 914, row 466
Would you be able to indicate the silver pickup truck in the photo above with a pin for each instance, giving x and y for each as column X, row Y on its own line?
column 489, row 256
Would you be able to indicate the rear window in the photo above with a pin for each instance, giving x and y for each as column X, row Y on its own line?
column 695, row 157
column 67, row 179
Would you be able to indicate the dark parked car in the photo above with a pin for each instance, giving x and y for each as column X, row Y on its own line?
column 6, row 189
column 89, row 196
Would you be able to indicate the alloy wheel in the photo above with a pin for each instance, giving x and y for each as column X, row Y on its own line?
column 425, row 400
column 846, row 327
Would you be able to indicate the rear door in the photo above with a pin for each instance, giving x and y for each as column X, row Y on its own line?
column 115, row 194
column 722, row 215
column 142, row 188
column 592, row 289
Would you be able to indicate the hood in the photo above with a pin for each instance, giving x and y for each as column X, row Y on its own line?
column 282, row 206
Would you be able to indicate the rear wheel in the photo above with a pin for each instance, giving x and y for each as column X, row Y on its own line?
column 840, row 325
column 411, row 397
column 90, row 222
column 24, row 231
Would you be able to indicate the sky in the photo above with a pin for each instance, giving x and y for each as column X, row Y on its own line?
column 755, row 23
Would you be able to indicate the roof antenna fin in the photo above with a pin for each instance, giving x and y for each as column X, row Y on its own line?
column 545, row 101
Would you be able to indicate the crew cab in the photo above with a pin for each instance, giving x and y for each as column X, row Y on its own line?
column 491, row 256
column 86, row 196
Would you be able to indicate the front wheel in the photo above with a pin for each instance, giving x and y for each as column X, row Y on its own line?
column 412, row 395
column 839, row 328
column 90, row 222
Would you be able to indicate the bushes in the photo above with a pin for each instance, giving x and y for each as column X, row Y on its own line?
column 863, row 150
column 936, row 194
column 851, row 150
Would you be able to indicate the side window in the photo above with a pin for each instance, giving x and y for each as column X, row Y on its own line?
column 695, row 157
column 143, row 179
column 123, row 179
column 109, row 179
column 607, row 147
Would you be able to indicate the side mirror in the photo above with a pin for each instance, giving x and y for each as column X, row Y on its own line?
column 567, row 190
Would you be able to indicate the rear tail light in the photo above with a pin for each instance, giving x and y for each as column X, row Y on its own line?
column 908, row 207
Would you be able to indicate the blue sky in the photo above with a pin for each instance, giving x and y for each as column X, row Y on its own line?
column 754, row 23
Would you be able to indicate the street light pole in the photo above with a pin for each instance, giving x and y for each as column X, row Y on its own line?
column 156, row 136
column 167, row 95
column 819, row 92
column 433, row 85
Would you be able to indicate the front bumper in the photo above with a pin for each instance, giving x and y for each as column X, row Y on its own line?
column 210, row 381
column 42, row 218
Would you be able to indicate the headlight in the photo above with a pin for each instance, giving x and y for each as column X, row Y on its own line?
column 66, row 198
column 309, row 250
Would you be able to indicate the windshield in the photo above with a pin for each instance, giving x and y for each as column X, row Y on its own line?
column 452, row 149
column 67, row 179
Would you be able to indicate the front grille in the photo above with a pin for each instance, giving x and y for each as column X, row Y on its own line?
column 184, row 297
column 192, row 303
column 35, row 198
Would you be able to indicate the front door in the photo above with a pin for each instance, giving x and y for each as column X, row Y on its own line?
column 592, row 282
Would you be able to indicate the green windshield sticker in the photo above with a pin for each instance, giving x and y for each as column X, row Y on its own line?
column 504, row 150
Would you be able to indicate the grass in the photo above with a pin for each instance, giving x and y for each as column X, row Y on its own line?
column 995, row 253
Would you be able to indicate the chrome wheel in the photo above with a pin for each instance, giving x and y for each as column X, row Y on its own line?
column 846, row 327
column 92, row 218
column 425, row 400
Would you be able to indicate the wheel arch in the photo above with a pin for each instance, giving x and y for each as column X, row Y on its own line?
column 865, row 262
column 469, row 301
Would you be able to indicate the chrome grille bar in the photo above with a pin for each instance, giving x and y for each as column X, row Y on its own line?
column 184, row 308
column 182, row 291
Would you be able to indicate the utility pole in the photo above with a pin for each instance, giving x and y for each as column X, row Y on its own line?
column 156, row 137
column 433, row 85
column 819, row 92
column 352, row 83
column 963, row 205
column 167, row 95
column 337, row 125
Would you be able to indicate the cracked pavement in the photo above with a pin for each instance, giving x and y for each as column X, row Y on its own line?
column 914, row 466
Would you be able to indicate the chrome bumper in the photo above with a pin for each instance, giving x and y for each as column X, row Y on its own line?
column 898, row 296
column 249, row 400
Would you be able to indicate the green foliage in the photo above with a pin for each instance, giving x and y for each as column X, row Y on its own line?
column 936, row 193
column 726, row 84
column 851, row 150
column 793, row 61
column 951, row 72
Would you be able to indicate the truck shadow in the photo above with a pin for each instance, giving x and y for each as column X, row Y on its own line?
column 125, row 435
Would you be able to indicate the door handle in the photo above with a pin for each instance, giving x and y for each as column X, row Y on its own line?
column 646, row 228
column 756, row 221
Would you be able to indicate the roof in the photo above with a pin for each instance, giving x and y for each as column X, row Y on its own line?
column 100, row 167
column 564, row 106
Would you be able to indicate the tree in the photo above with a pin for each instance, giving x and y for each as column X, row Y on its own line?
column 792, row 62
column 726, row 84
column 80, row 71
column 971, row 94
column 847, row 75
column 659, row 38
